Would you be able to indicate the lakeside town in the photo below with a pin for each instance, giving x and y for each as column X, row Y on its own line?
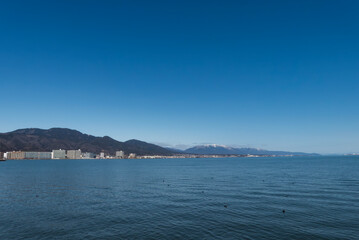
column 78, row 154
column 62, row 154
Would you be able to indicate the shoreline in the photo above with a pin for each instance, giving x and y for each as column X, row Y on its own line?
column 168, row 157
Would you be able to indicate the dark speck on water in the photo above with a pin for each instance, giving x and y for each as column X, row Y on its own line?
column 89, row 199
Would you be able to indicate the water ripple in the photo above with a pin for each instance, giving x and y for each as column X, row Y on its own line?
column 185, row 199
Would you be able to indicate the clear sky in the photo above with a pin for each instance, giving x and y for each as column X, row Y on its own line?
column 279, row 75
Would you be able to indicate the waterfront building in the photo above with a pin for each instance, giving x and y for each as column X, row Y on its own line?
column 120, row 154
column 38, row 155
column 31, row 155
column 15, row 155
column 74, row 154
column 1, row 155
column 58, row 154
column 44, row 155
column 102, row 155
column 88, row 155
column 132, row 155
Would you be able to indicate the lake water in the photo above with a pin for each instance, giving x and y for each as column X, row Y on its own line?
column 181, row 198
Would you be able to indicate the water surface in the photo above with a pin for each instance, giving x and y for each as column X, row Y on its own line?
column 181, row 198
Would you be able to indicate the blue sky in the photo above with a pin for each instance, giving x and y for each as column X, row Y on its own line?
column 280, row 75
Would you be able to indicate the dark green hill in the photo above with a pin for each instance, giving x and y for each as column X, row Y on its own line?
column 34, row 139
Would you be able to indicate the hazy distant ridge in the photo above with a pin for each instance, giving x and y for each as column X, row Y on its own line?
column 225, row 150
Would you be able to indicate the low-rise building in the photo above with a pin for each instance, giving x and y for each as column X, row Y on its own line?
column 1, row 155
column 102, row 155
column 120, row 154
column 58, row 154
column 74, row 154
column 88, row 155
column 132, row 155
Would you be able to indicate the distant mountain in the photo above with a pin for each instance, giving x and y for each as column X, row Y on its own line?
column 34, row 139
column 175, row 150
column 225, row 150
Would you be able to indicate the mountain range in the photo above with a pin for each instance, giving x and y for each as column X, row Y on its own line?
column 226, row 150
column 35, row 139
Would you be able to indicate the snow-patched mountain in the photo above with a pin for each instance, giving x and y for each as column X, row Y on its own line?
column 225, row 150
